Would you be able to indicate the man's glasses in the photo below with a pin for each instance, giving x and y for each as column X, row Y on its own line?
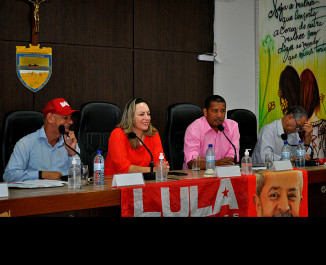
column 298, row 127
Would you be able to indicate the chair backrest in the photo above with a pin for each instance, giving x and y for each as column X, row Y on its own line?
column 247, row 123
column 15, row 125
column 97, row 121
column 179, row 117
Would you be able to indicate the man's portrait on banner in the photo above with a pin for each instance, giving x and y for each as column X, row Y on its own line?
column 278, row 194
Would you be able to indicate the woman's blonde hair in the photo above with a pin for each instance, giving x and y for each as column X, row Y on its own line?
column 128, row 120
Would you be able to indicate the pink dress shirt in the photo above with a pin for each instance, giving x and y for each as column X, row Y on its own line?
column 199, row 134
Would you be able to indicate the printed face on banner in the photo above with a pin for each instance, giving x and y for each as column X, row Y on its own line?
column 279, row 195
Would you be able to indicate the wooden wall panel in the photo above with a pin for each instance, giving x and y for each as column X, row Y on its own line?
column 87, row 22
column 164, row 78
column 15, row 20
column 13, row 95
column 82, row 74
column 183, row 25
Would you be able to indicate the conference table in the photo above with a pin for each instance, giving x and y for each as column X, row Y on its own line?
column 103, row 200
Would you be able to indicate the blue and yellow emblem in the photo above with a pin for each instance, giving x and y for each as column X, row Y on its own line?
column 34, row 66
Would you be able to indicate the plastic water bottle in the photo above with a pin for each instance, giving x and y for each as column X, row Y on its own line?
column 210, row 159
column 98, row 169
column 74, row 176
column 246, row 164
column 300, row 155
column 161, row 169
column 286, row 151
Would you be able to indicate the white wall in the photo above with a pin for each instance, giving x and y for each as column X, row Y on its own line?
column 234, row 37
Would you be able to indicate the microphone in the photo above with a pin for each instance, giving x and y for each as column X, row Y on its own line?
column 62, row 130
column 220, row 127
column 151, row 174
column 284, row 136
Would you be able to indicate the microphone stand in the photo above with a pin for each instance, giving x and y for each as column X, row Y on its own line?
column 151, row 174
column 63, row 132
column 235, row 151
column 221, row 128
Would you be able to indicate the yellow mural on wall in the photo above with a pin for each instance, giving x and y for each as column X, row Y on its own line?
column 292, row 62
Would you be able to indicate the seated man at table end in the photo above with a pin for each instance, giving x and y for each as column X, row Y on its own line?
column 43, row 154
column 204, row 131
column 270, row 137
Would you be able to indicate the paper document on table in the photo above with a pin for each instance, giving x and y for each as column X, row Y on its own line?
column 37, row 183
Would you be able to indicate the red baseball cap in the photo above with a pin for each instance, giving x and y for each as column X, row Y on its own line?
column 58, row 106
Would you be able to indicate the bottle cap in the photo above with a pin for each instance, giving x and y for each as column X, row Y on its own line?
column 161, row 156
column 210, row 145
column 285, row 142
column 300, row 141
column 99, row 151
column 247, row 152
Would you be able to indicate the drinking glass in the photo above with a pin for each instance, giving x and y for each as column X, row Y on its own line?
column 195, row 163
column 84, row 175
column 269, row 158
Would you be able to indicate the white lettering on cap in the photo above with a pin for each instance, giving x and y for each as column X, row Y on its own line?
column 64, row 103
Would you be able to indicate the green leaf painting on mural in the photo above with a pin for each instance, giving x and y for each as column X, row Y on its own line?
column 268, row 45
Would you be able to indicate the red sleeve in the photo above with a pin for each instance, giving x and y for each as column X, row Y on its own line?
column 117, row 157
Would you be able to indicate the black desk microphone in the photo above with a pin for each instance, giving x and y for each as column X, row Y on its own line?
column 284, row 136
column 150, row 175
column 220, row 127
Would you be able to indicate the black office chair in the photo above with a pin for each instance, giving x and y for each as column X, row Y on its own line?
column 179, row 117
column 97, row 121
column 15, row 125
column 247, row 123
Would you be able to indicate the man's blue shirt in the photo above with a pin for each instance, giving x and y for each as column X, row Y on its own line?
column 32, row 154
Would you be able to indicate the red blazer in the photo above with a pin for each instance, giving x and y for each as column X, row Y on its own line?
column 121, row 156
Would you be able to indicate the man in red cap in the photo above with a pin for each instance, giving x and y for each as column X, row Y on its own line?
column 43, row 154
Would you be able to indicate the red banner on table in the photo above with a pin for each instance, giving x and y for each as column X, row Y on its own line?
column 188, row 197
column 233, row 197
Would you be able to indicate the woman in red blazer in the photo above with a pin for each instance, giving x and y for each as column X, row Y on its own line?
column 127, row 155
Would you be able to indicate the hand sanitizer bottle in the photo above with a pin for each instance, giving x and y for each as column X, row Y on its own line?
column 246, row 164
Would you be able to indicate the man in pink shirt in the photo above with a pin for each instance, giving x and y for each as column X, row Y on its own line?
column 204, row 131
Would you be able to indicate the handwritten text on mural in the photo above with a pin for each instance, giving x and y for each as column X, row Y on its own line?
column 299, row 28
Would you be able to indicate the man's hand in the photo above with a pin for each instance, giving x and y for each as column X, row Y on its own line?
column 72, row 142
column 307, row 128
column 53, row 175
column 225, row 161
